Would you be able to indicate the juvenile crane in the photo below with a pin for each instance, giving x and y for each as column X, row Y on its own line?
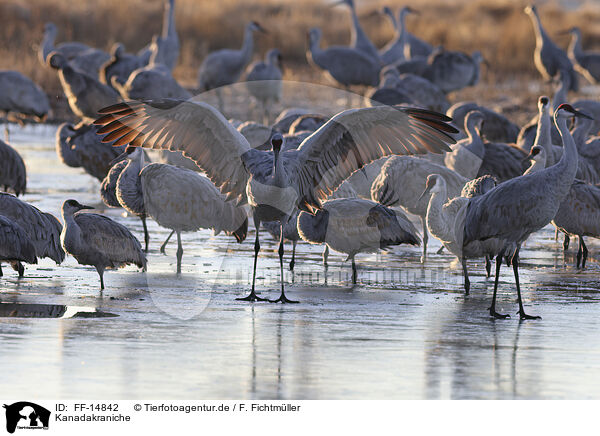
column 276, row 183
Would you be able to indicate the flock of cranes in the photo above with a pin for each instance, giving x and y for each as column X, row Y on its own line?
column 481, row 185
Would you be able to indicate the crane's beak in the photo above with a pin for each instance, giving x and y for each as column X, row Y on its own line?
column 528, row 157
column 82, row 206
column 425, row 192
column 582, row 115
column 413, row 11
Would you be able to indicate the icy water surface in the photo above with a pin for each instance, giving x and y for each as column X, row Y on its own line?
column 405, row 332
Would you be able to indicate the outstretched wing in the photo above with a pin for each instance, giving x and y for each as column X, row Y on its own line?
column 355, row 137
column 197, row 129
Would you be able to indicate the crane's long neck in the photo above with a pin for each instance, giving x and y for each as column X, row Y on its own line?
column 356, row 29
column 169, row 20
column 575, row 46
column 248, row 45
column 475, row 142
column 537, row 164
column 560, row 96
column 48, row 43
column 581, row 131
column 390, row 14
column 437, row 219
column 543, row 135
column 403, row 34
column 540, row 33
column 71, row 232
column 278, row 170
column 563, row 173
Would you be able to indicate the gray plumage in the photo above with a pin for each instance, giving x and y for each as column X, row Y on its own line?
column 149, row 82
column 478, row 186
column 518, row 207
column 185, row 201
column 354, row 225
column 68, row 49
column 389, row 91
column 108, row 187
column 423, row 93
column 86, row 95
column 224, row 67
column 401, row 182
column 42, row 228
column 166, row 46
column 285, row 119
column 502, row 161
column 15, row 245
column 453, row 70
column 13, row 175
column 90, row 61
column 496, row 127
column 276, row 183
column 22, row 97
column 346, row 65
column 592, row 108
column 80, row 146
column 263, row 80
column 358, row 38
column 548, row 57
column 120, row 66
column 393, row 51
column 467, row 154
column 96, row 240
column 307, row 122
column 579, row 214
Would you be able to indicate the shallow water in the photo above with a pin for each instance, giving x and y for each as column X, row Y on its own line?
column 406, row 331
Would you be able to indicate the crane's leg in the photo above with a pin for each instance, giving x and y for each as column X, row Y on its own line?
column 425, row 239
column 440, row 250
column 293, row 261
column 164, row 245
column 555, row 233
column 282, row 298
column 252, row 297
column 566, row 242
column 146, row 235
column 493, row 306
column 179, row 252
column 579, row 253
column 582, row 253
column 488, row 266
column 515, row 264
column 6, row 135
column 354, row 272
column 466, row 275
column 325, row 256
column 1, row 273
column 101, row 274
column 18, row 266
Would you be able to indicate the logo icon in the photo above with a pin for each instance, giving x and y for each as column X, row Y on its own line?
column 26, row 415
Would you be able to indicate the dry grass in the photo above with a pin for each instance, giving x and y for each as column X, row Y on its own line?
column 498, row 28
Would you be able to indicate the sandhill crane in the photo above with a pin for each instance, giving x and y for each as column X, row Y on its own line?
column 85, row 93
column 401, row 182
column 537, row 159
column 287, row 116
column 21, row 97
column 519, row 207
column 120, row 65
column 68, row 49
column 263, row 80
column 345, row 65
column 42, row 228
column 478, row 186
column 167, row 45
column 96, row 240
column 224, row 67
column 423, row 93
column 277, row 183
column 586, row 63
column 354, row 225
column 467, row 154
column 149, row 82
column 548, row 57
column 393, row 51
column 13, row 175
column 358, row 38
column 108, row 187
column 15, row 246
column 80, row 146
column 129, row 188
column 389, row 91
column 592, row 108
column 446, row 220
column 453, row 70
column 185, row 201
column 579, row 214
column 496, row 127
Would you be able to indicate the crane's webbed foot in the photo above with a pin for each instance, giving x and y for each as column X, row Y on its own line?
column 252, row 297
column 523, row 315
